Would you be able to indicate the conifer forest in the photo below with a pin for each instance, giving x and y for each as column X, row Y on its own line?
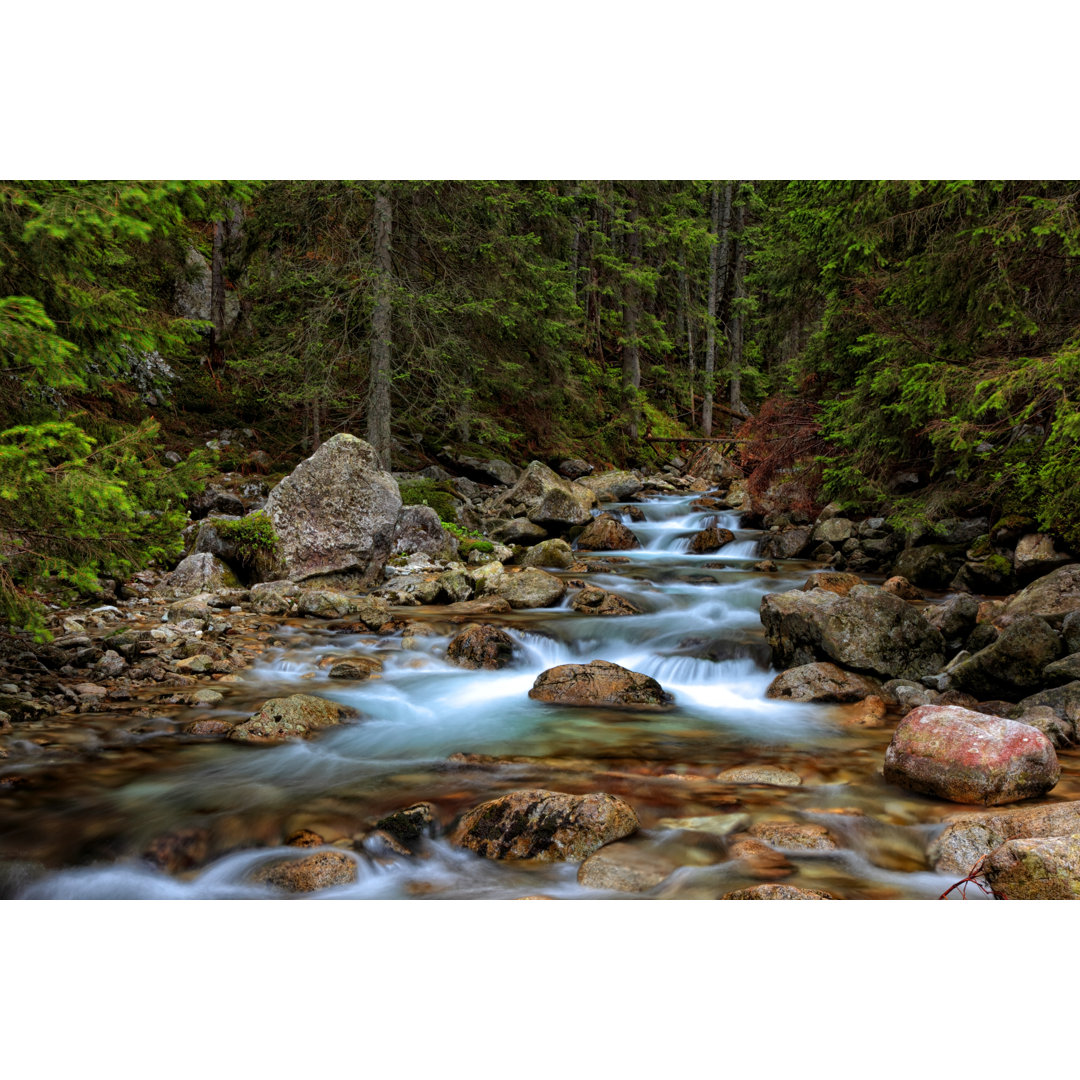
column 572, row 539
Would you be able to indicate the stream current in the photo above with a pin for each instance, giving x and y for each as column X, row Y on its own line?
column 95, row 798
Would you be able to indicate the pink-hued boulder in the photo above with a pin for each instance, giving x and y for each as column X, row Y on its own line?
column 969, row 757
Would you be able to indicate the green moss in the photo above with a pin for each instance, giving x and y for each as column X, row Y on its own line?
column 251, row 534
column 998, row 564
column 434, row 493
column 982, row 548
column 475, row 545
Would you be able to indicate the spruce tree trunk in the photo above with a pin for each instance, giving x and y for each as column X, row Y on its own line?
column 738, row 318
column 720, row 223
column 217, row 289
column 631, row 354
column 378, row 412
column 684, row 310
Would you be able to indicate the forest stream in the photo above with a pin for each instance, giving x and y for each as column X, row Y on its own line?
column 100, row 791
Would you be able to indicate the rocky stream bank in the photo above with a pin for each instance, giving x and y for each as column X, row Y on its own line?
column 596, row 685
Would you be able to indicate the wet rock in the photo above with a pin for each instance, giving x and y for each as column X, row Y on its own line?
column 1035, row 554
column 766, row 566
column 320, row 870
column 111, row 664
column 625, row 866
column 600, row 684
column 487, row 605
column 206, row 696
column 1070, row 631
column 519, row 531
column 614, row 486
column 594, row 601
column 356, row 668
column 324, row 603
column 5, row 722
column 821, row 682
column 777, row 892
column 455, row 586
column 634, row 513
column 409, row 824
column 900, row 586
column 786, row 544
column 969, row 757
column 530, row 588
column 481, row 647
column 1013, row 665
column 201, row 573
column 274, row 597
column 968, row 838
column 210, row 728
column 794, row 836
column 1046, row 868
column 548, row 500
column 336, row 512
column 545, row 826
column 832, row 581
column 1051, row 597
column 867, row 629
column 195, row 665
column 869, row 713
column 760, row 774
column 711, row 539
column 605, row 533
column 304, row 838
column 293, row 717
column 714, row 824
column 554, row 553
column 180, row 850
column 419, row 530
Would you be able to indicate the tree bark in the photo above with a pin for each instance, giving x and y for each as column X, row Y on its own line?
column 631, row 353
column 718, row 264
column 378, row 413
column 738, row 317
column 685, row 314
column 217, row 289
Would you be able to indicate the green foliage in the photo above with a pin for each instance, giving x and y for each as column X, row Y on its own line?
column 252, row 535
column 434, row 493
column 475, row 545
column 74, row 508
column 466, row 535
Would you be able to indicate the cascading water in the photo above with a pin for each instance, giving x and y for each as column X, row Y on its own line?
column 699, row 635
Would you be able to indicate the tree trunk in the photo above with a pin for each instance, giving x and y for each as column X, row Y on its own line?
column 631, row 354
column 718, row 264
column 316, row 410
column 217, row 290
column 378, row 413
column 738, row 316
column 684, row 308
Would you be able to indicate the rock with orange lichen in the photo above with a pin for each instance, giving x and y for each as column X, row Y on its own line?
column 778, row 892
column 320, row 870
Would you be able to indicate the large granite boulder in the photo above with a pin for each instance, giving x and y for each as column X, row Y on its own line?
column 548, row 500
column 969, row 757
column 868, row 629
column 545, row 826
column 1013, row 665
column 787, row 543
column 600, row 684
column 336, row 512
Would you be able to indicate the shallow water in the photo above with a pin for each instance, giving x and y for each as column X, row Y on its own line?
column 94, row 792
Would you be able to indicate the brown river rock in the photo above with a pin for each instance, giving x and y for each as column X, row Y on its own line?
column 969, row 757
column 481, row 647
column 777, row 892
column 600, row 684
column 293, row 717
column 545, row 826
column 605, row 533
column 322, row 870
column 822, row 682
column 1043, row 868
column 711, row 539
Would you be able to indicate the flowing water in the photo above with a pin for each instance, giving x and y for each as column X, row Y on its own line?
column 96, row 793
